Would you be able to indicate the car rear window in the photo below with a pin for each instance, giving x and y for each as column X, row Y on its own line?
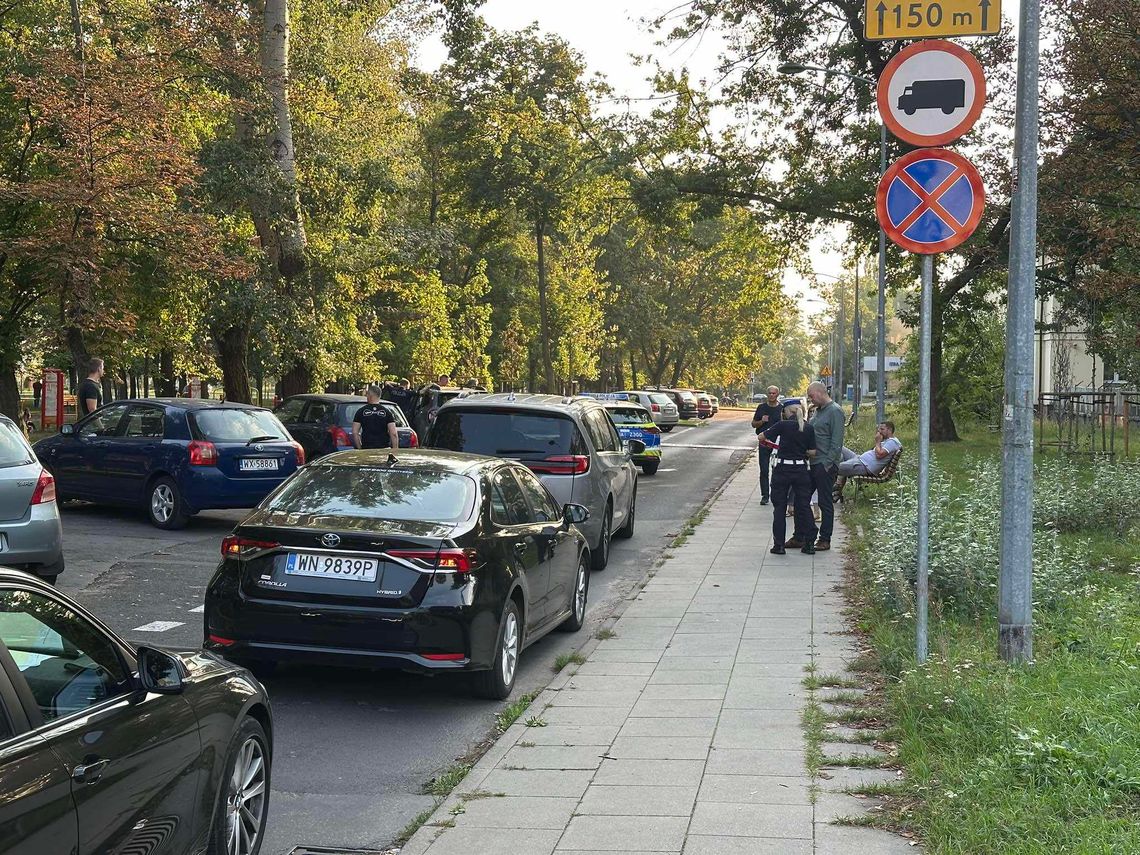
column 14, row 450
column 235, row 425
column 377, row 493
column 627, row 416
column 687, row 396
column 522, row 435
column 659, row 398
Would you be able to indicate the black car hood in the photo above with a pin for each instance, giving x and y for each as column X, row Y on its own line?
column 365, row 525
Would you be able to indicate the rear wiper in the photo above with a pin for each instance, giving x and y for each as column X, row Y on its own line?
column 261, row 439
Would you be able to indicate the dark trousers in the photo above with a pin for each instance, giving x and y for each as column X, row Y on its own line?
column 823, row 481
column 765, row 464
column 795, row 482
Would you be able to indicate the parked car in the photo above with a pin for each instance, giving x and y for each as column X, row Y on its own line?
column 569, row 443
column 660, row 406
column 633, row 422
column 685, row 400
column 173, row 456
column 704, row 403
column 715, row 401
column 323, row 423
column 31, row 536
column 440, row 562
column 110, row 748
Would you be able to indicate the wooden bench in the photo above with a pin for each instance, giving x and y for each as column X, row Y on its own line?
column 891, row 470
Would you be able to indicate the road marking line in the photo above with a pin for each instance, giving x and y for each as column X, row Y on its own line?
column 197, row 610
column 158, row 626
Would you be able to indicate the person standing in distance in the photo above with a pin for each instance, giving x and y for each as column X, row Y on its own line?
column 402, row 396
column 90, row 397
column 829, row 427
column 767, row 414
column 373, row 425
column 791, row 476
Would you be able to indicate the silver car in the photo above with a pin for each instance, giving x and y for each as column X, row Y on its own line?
column 31, row 536
column 660, row 406
column 570, row 443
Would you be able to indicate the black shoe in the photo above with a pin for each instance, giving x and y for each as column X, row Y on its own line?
column 763, row 500
column 777, row 550
column 808, row 549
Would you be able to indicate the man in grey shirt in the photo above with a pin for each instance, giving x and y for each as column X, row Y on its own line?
column 828, row 424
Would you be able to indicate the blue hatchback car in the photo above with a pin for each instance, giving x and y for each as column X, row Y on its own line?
column 172, row 456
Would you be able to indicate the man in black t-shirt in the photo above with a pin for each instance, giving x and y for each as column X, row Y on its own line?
column 767, row 414
column 373, row 426
column 90, row 396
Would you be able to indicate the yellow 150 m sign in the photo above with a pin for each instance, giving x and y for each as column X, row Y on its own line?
column 925, row 19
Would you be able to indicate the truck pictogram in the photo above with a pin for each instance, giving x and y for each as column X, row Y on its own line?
column 946, row 95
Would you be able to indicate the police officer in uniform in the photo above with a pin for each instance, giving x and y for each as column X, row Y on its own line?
column 791, row 476
column 373, row 425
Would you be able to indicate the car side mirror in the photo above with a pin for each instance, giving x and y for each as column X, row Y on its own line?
column 575, row 514
column 67, row 430
column 160, row 672
column 635, row 447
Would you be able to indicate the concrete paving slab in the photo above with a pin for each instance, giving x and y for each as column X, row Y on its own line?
column 553, row 757
column 572, row 734
column 650, row 773
column 844, row 840
column 565, row 783
column 630, row 833
column 671, row 727
column 516, row 812
column 752, row 761
column 752, row 820
column 700, row 844
column 755, row 789
column 604, row 800
column 517, row 841
column 661, row 747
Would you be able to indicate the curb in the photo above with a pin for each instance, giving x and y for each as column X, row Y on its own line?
column 427, row 833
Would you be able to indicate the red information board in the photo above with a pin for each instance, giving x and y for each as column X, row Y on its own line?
column 51, row 402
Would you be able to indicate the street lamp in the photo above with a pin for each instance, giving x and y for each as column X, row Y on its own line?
column 792, row 68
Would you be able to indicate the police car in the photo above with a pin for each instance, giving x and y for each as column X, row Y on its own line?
column 633, row 421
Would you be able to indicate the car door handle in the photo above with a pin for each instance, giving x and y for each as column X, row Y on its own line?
column 89, row 773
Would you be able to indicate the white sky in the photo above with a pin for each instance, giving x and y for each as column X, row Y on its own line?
column 607, row 32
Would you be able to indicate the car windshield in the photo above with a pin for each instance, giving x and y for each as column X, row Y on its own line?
column 627, row 416
column 522, row 435
column 235, row 425
column 14, row 450
column 377, row 493
column 658, row 398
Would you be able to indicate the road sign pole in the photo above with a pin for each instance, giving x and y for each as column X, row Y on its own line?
column 857, row 335
column 922, row 586
column 881, row 364
column 839, row 341
column 1015, row 584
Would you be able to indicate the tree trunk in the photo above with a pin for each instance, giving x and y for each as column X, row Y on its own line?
column 298, row 380
column 288, row 224
column 678, row 366
column 632, row 370
column 146, row 376
column 9, row 390
column 233, row 350
column 79, row 355
column 165, row 384
column 942, row 428
column 543, row 309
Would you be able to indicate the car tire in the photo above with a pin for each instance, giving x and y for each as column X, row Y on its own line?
column 600, row 555
column 650, row 468
column 498, row 682
column 667, row 428
column 165, row 507
column 248, row 745
column 631, row 519
column 578, row 596
column 50, row 572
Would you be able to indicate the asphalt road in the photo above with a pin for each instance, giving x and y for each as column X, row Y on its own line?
column 354, row 749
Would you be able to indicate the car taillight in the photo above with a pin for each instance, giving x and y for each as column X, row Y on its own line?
column 415, row 440
column 224, row 642
column 340, row 437
column 652, row 429
column 443, row 560
column 300, row 451
column 656, row 408
column 202, row 453
column 45, row 489
column 564, row 464
column 239, row 547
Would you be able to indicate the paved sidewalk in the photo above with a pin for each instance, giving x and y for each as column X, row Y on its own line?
column 681, row 733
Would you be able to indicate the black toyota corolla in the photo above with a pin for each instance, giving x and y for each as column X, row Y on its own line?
column 434, row 562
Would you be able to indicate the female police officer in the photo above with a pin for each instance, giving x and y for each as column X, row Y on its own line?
column 791, row 475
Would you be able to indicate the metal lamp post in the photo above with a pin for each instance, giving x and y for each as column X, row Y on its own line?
column 793, row 68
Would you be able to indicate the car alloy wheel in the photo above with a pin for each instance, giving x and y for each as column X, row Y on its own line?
column 162, row 503
column 510, row 657
column 580, row 593
column 245, row 800
column 601, row 556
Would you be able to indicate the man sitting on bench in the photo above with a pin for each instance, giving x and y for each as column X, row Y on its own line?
column 869, row 462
